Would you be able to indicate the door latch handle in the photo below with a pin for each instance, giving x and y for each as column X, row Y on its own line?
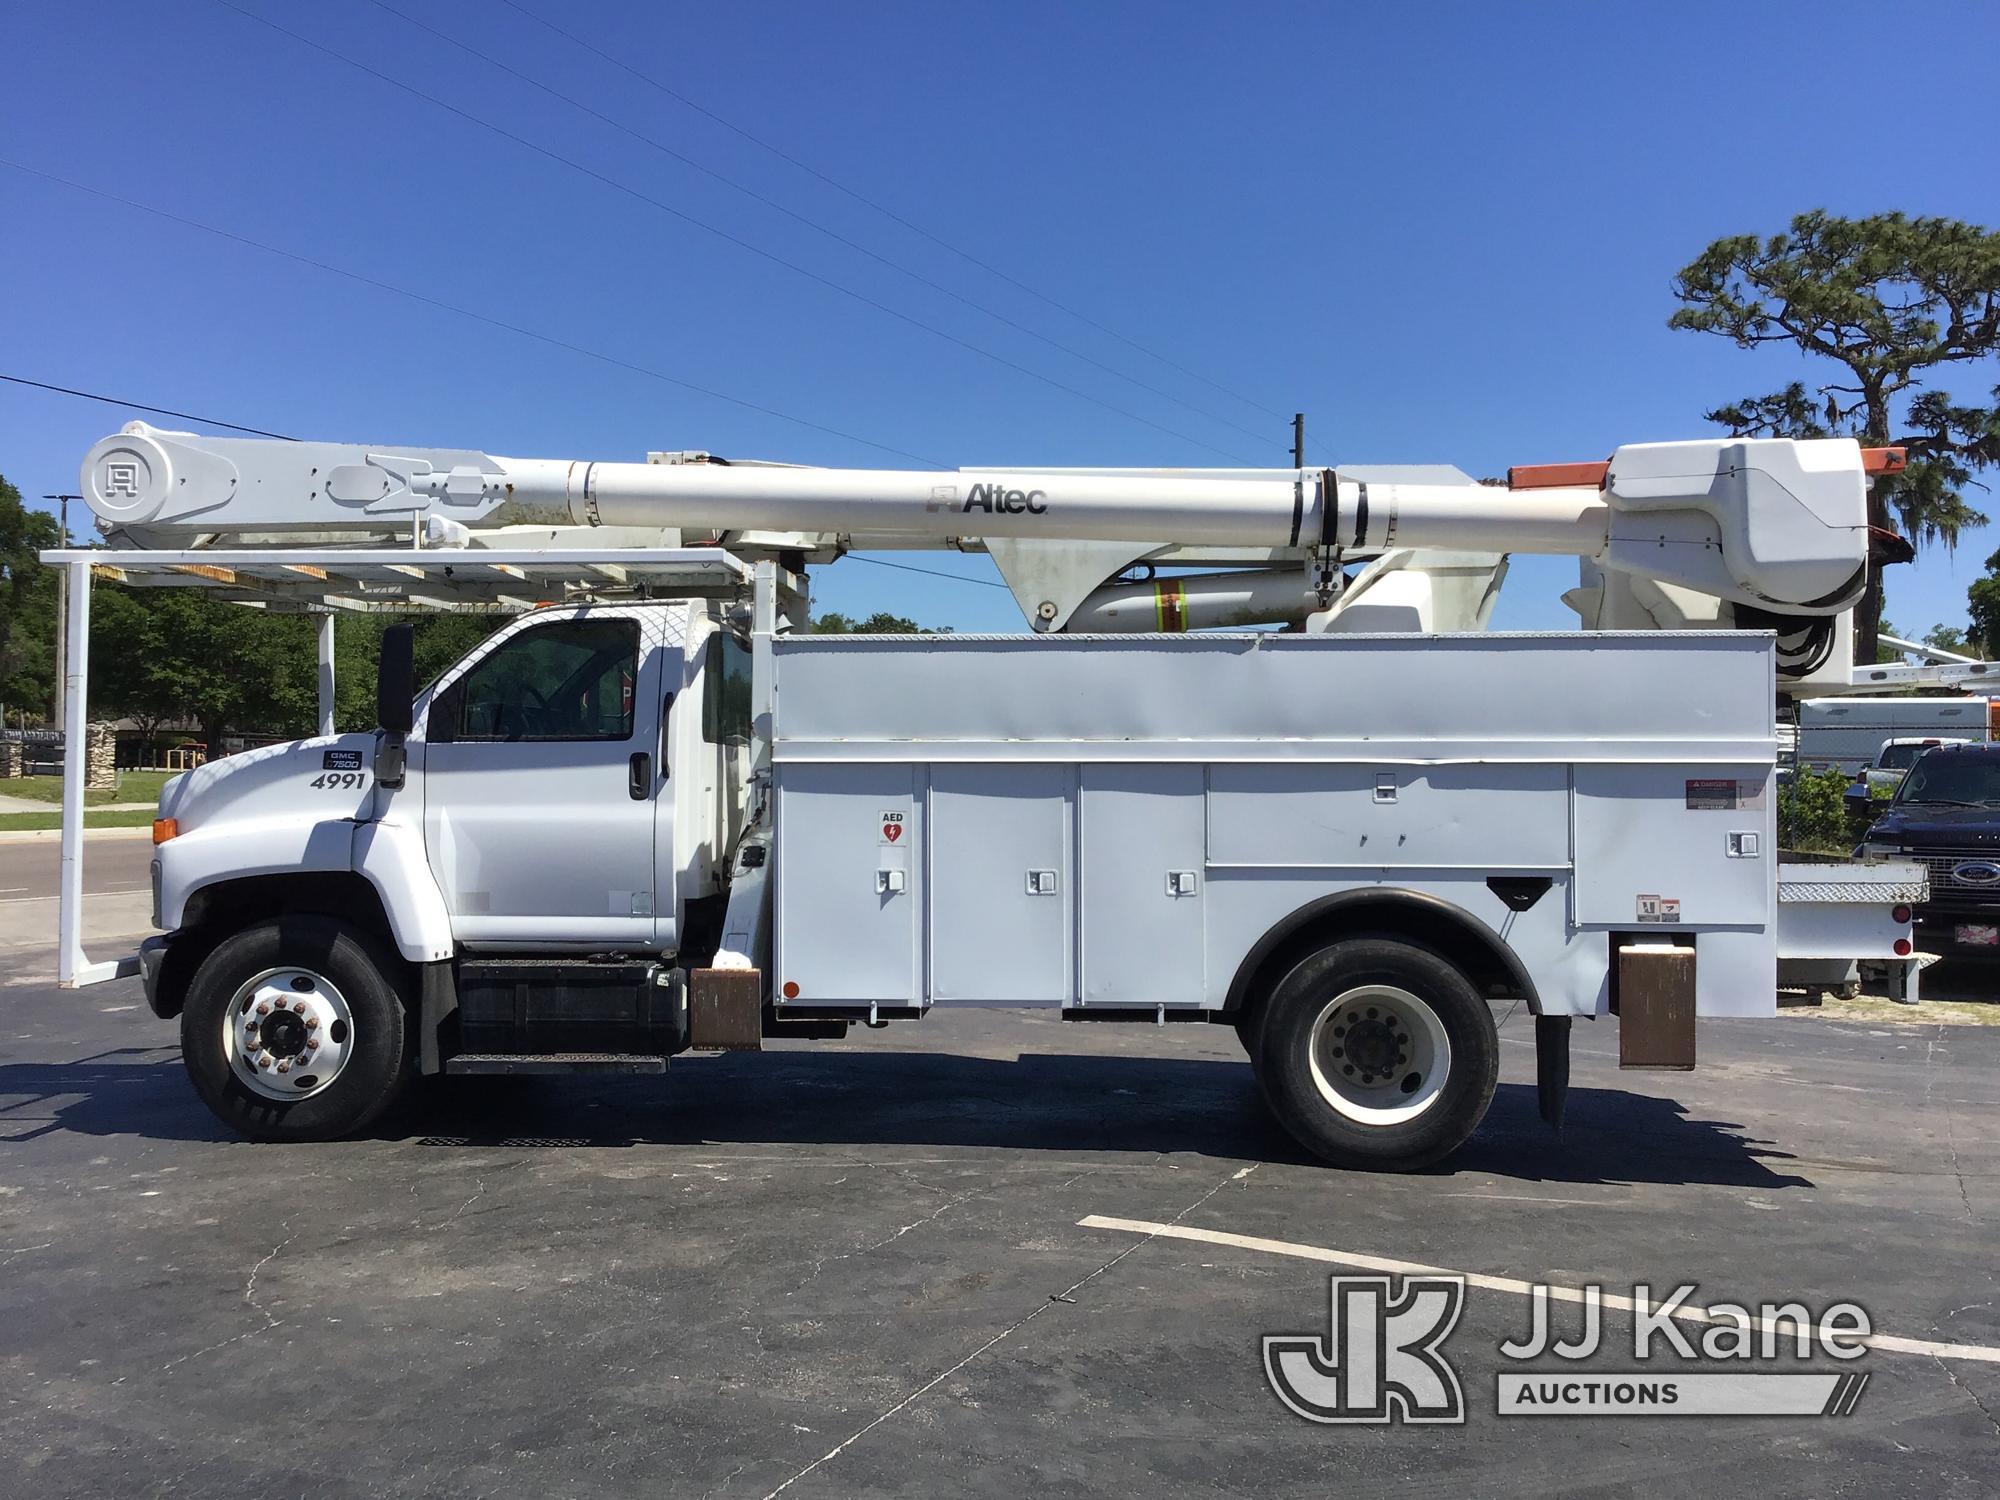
column 639, row 781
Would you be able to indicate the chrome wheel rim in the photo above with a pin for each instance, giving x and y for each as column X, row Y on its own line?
column 1379, row 1054
column 287, row 1033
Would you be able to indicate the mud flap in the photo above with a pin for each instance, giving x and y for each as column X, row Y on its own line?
column 437, row 1007
column 1552, row 1067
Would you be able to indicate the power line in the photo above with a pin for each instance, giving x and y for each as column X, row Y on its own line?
column 465, row 312
column 985, row 583
column 833, row 234
column 888, row 213
column 158, row 411
column 667, row 208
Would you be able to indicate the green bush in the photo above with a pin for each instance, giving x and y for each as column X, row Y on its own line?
column 1812, row 813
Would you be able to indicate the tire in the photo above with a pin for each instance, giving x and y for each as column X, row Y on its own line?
column 344, row 1053
column 1377, row 1054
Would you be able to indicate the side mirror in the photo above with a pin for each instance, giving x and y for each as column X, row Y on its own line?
column 396, row 681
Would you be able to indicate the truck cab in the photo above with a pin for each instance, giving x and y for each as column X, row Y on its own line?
column 567, row 798
column 1885, row 772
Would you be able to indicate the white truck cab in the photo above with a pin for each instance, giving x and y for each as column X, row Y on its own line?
column 571, row 787
column 568, row 787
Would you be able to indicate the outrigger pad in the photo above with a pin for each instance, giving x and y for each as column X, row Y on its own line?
column 1552, row 1067
column 726, row 1010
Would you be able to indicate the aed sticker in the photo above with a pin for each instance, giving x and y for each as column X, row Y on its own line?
column 1724, row 794
column 1659, row 909
column 341, row 760
column 892, row 827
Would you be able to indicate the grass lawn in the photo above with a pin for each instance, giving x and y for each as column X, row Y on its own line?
column 135, row 817
column 133, row 786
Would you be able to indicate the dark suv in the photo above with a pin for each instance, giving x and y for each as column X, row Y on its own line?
column 1946, row 817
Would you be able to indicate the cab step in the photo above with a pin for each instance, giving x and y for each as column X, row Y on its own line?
column 555, row 1062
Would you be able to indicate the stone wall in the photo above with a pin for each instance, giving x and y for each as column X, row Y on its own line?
column 100, row 757
column 11, row 759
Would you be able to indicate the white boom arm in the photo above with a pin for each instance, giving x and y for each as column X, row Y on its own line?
column 1775, row 524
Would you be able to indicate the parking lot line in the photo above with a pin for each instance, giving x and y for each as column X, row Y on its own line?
column 1891, row 1343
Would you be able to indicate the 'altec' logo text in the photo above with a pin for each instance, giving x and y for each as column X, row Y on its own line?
column 997, row 499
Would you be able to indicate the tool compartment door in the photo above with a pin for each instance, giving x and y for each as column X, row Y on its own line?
column 1002, row 888
column 1143, row 884
column 850, row 840
column 1660, row 845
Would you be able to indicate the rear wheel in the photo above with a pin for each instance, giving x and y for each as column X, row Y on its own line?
column 293, row 1030
column 1375, row 1053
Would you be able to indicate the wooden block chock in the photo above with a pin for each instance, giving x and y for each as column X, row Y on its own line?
column 726, row 1010
column 1655, row 1006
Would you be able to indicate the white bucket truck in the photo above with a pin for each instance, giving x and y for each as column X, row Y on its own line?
column 658, row 815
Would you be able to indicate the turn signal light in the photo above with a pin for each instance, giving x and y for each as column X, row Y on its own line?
column 165, row 828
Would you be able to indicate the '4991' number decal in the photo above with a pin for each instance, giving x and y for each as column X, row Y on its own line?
column 335, row 781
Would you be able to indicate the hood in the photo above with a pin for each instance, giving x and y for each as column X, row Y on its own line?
column 330, row 776
column 1921, row 826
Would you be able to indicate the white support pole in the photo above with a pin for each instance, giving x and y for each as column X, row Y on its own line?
column 326, row 674
column 763, row 626
column 76, row 675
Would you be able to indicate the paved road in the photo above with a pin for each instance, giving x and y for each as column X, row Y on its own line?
column 115, row 882
column 860, row 1268
column 111, row 862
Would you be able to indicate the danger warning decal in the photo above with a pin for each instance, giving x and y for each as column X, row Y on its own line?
column 892, row 827
column 1659, row 909
column 1724, row 793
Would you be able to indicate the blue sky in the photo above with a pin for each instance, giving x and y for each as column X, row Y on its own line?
column 1445, row 232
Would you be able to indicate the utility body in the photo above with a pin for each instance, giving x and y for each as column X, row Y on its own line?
column 663, row 816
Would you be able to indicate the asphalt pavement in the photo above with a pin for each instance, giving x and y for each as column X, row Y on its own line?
column 990, row 1252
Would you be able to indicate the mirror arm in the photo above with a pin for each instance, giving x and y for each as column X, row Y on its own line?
column 390, row 759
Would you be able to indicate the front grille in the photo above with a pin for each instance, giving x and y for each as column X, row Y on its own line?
column 1942, row 864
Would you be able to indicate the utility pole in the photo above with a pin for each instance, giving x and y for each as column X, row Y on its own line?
column 1298, row 440
column 62, row 606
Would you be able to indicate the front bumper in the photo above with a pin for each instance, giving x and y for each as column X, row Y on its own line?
column 1935, row 930
column 152, row 960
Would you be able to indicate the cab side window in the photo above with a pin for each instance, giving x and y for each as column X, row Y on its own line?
column 566, row 680
column 725, row 718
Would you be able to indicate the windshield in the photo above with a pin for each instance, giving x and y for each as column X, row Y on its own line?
column 1899, row 757
column 1966, row 780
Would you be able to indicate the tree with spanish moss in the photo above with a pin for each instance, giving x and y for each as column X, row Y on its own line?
column 1894, row 303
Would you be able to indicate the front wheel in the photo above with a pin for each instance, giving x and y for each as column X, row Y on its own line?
column 294, row 1031
column 1377, row 1054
